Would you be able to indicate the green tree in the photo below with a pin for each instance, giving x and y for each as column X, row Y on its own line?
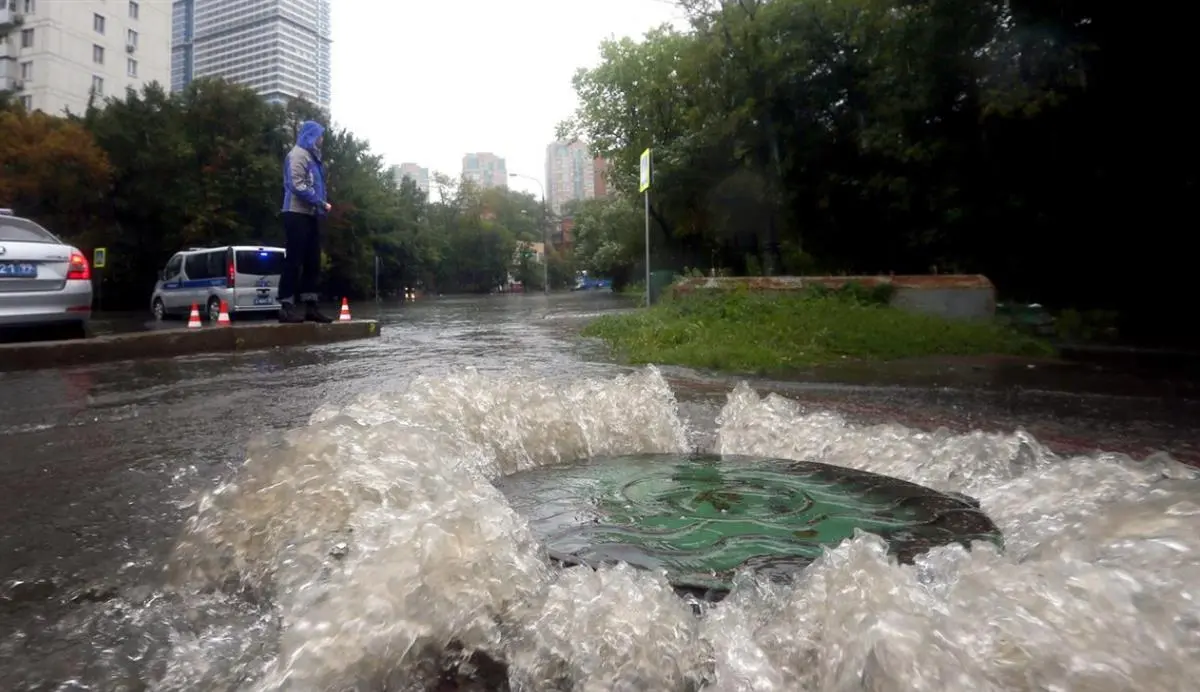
column 866, row 136
column 609, row 239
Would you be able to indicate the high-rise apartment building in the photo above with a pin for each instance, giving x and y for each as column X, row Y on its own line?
column 601, row 175
column 570, row 174
column 278, row 48
column 485, row 170
column 416, row 173
column 55, row 55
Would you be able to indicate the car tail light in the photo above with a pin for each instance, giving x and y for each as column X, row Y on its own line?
column 79, row 269
column 230, row 275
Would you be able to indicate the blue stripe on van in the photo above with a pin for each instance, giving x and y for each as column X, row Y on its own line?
column 198, row 283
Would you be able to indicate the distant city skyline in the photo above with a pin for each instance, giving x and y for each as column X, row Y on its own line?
column 573, row 173
column 507, row 98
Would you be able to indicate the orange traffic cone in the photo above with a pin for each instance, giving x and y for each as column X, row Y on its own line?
column 223, row 317
column 345, row 315
column 194, row 318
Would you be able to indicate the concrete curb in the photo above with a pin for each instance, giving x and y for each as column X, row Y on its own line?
column 172, row 343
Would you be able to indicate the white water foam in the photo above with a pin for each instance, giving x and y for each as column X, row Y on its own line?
column 379, row 545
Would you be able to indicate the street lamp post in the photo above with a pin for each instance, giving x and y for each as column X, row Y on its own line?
column 545, row 235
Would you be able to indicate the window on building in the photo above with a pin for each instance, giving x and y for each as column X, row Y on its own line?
column 98, row 23
column 30, row 6
column 27, row 38
column 98, row 55
column 27, row 103
column 131, row 67
column 98, row 85
column 27, row 71
column 131, row 38
column 133, row 9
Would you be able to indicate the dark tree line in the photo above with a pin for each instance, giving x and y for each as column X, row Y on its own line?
column 1034, row 141
column 152, row 173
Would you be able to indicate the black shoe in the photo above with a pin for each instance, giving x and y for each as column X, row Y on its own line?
column 313, row 314
column 288, row 314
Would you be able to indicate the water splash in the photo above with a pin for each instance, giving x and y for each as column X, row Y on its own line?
column 1096, row 590
column 370, row 550
column 377, row 534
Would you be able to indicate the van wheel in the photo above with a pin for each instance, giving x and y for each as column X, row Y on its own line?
column 214, row 309
column 159, row 310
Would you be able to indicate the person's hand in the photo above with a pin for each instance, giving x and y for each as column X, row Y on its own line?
column 328, row 206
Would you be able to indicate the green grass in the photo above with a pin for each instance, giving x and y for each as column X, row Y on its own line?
column 636, row 289
column 775, row 333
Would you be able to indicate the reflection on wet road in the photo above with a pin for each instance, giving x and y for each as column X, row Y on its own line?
column 95, row 459
column 101, row 464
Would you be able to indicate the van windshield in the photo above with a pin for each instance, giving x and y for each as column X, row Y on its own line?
column 259, row 262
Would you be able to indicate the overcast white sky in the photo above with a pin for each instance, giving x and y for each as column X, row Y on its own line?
column 430, row 80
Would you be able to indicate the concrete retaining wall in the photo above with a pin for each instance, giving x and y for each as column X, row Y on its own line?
column 171, row 343
column 957, row 296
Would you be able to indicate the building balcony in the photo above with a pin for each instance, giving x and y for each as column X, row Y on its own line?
column 10, row 83
column 9, row 17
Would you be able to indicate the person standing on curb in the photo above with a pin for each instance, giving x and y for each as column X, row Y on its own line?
column 304, row 209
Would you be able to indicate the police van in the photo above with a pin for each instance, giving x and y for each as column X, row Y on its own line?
column 244, row 277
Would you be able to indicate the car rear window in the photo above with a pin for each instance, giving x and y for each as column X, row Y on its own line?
column 22, row 231
column 259, row 262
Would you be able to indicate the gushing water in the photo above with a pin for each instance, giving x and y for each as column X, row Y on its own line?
column 369, row 550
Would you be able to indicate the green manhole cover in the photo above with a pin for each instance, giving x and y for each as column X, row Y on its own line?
column 700, row 518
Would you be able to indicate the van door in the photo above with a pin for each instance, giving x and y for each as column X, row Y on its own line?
column 205, row 274
column 195, row 289
column 172, row 285
column 256, row 278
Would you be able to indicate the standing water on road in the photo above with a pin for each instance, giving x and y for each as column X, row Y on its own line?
column 368, row 548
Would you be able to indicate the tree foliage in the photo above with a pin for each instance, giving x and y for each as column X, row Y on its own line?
column 152, row 173
column 51, row 168
column 867, row 136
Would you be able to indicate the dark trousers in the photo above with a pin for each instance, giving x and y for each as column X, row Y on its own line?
column 302, row 266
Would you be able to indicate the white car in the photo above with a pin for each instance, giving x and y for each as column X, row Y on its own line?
column 44, row 282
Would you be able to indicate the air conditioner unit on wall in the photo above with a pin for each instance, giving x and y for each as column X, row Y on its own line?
column 129, row 48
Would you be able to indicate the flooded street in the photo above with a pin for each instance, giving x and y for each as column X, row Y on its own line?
column 363, row 543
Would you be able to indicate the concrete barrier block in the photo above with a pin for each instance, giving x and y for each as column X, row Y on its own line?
column 955, row 296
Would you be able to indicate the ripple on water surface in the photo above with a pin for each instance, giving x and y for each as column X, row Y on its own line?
column 369, row 547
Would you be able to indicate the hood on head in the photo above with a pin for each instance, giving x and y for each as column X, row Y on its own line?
column 310, row 132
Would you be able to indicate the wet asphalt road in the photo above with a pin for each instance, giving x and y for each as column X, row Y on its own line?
column 97, row 461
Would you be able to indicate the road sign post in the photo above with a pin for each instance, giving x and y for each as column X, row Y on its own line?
column 644, row 188
column 99, row 262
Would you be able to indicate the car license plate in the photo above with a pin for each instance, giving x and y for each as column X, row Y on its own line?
column 18, row 270
column 264, row 300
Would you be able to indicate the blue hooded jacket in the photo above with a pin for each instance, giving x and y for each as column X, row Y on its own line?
column 304, row 174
